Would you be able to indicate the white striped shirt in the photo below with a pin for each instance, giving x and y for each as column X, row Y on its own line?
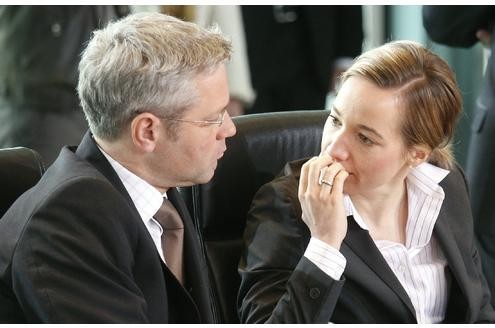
column 145, row 197
column 419, row 264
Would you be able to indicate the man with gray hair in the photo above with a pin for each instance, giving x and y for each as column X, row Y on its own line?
column 104, row 236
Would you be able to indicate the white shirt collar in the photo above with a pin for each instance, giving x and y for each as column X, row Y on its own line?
column 145, row 197
column 425, row 177
column 430, row 171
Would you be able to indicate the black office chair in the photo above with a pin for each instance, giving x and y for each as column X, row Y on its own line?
column 254, row 156
column 20, row 169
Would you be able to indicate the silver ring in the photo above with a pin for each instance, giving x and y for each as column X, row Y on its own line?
column 328, row 183
column 321, row 180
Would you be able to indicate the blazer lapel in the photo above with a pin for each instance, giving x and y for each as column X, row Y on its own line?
column 180, row 298
column 196, row 271
column 457, row 304
column 182, row 308
column 197, row 295
column 359, row 241
column 448, row 245
column 89, row 151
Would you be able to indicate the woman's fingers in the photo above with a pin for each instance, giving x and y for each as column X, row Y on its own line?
column 321, row 197
column 316, row 170
column 338, row 182
column 328, row 177
column 303, row 178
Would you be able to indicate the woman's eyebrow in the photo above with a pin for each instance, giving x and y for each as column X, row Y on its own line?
column 360, row 126
column 370, row 130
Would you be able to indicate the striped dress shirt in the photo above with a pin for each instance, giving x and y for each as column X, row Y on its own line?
column 419, row 265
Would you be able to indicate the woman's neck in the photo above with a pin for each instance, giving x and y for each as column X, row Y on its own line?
column 385, row 213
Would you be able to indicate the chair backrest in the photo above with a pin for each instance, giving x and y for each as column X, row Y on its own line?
column 254, row 156
column 20, row 169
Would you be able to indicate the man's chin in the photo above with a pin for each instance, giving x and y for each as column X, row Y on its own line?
column 206, row 175
column 205, row 178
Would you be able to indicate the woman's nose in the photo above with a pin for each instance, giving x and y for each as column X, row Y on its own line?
column 338, row 149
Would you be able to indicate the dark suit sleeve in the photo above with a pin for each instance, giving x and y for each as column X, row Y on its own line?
column 278, row 284
column 486, row 313
column 74, row 263
column 456, row 25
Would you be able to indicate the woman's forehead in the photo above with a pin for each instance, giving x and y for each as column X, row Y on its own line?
column 362, row 103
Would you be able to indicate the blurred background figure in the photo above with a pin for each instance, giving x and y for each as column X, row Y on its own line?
column 229, row 19
column 464, row 26
column 285, row 57
column 39, row 52
column 292, row 50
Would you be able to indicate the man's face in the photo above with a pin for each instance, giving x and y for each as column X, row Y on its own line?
column 192, row 157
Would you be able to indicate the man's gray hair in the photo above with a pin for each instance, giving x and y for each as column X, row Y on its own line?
column 144, row 62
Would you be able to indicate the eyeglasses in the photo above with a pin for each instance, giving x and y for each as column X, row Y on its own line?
column 219, row 120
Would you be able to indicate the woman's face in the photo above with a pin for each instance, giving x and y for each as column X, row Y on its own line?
column 363, row 134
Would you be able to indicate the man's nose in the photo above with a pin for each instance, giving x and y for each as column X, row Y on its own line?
column 228, row 128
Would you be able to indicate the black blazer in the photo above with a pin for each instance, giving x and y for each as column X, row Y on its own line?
column 280, row 285
column 73, row 249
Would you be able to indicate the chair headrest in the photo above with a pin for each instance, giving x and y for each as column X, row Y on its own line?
column 20, row 169
column 264, row 143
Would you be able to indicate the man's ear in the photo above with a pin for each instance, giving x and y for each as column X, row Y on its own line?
column 419, row 154
column 145, row 131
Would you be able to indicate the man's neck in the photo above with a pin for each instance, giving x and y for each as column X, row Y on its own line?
column 124, row 154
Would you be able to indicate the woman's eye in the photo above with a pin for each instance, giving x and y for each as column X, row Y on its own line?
column 365, row 140
column 335, row 121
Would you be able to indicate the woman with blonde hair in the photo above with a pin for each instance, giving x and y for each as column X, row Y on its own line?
column 377, row 228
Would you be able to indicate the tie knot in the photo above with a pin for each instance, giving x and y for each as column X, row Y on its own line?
column 168, row 217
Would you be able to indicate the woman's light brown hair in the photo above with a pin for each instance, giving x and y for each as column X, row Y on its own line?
column 429, row 96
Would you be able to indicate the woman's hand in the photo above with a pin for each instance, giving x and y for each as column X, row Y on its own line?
column 322, row 200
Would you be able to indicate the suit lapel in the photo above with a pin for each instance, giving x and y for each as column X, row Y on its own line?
column 181, row 299
column 457, row 304
column 182, row 308
column 89, row 151
column 448, row 245
column 197, row 295
column 197, row 283
column 359, row 241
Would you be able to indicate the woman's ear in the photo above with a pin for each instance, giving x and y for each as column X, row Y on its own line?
column 419, row 154
column 145, row 131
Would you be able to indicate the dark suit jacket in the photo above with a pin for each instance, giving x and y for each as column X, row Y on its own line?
column 73, row 249
column 280, row 285
column 457, row 26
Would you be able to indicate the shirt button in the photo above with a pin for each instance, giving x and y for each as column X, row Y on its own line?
column 314, row 293
column 402, row 268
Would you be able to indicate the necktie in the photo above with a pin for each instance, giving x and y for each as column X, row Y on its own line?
column 172, row 238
